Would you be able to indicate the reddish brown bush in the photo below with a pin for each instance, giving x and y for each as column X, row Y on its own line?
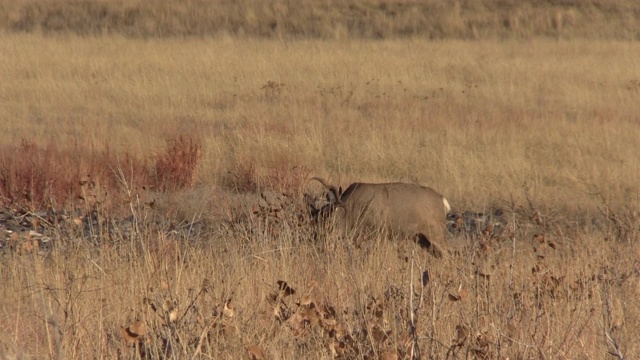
column 35, row 177
column 176, row 167
column 39, row 178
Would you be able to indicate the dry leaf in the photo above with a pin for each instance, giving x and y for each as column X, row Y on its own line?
column 376, row 306
column 483, row 275
column 277, row 311
column 463, row 294
column 461, row 334
column 379, row 335
column 536, row 269
column 338, row 348
column 482, row 340
column 129, row 337
column 285, row 288
column 297, row 323
column 228, row 310
column 389, row 355
column 173, row 315
column 487, row 230
column 425, row 278
column 255, row 353
column 539, row 238
column 309, row 313
column 133, row 332
column 306, row 300
column 139, row 327
column 453, row 297
column 537, row 218
column 167, row 306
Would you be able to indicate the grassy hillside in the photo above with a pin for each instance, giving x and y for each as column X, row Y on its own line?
column 376, row 19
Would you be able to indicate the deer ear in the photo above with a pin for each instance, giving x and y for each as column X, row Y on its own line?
column 308, row 199
column 340, row 191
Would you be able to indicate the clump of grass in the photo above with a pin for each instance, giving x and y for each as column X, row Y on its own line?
column 241, row 177
column 245, row 177
column 287, row 179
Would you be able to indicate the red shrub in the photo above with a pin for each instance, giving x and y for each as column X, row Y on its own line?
column 176, row 167
column 37, row 178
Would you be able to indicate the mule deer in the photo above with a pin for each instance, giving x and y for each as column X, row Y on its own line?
column 400, row 209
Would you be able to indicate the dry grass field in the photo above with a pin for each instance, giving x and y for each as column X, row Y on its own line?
column 139, row 164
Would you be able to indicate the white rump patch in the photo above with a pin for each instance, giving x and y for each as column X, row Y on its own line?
column 447, row 207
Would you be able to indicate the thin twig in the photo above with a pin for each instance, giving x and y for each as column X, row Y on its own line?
column 415, row 350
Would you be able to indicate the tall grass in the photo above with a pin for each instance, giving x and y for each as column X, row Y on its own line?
column 159, row 294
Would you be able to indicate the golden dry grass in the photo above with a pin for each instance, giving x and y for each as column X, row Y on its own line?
column 549, row 126
column 475, row 120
